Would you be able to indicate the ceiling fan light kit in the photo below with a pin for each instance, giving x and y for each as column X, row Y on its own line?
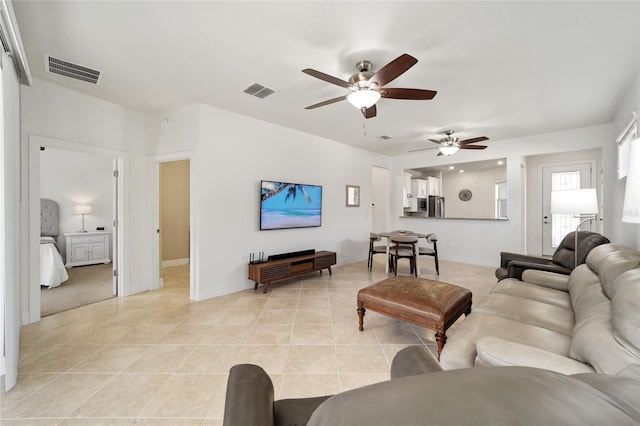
column 368, row 86
column 364, row 98
column 448, row 150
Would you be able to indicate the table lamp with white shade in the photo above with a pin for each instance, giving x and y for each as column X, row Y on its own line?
column 82, row 209
column 582, row 203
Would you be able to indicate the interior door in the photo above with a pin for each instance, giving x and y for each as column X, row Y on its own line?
column 561, row 177
column 380, row 196
column 116, row 224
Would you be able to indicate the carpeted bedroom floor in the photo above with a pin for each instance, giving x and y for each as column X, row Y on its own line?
column 86, row 285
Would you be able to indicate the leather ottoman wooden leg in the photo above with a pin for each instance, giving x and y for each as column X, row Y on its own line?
column 361, row 310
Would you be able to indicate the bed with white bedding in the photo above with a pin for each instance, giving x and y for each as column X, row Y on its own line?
column 52, row 270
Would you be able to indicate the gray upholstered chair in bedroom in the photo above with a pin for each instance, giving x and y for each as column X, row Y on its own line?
column 563, row 261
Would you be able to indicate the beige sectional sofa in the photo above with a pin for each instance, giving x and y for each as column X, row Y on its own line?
column 588, row 321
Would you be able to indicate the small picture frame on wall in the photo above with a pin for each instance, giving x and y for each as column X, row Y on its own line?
column 353, row 196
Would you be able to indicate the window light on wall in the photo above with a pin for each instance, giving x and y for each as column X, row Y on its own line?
column 631, row 205
column 629, row 133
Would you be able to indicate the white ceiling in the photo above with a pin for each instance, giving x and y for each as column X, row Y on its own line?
column 501, row 69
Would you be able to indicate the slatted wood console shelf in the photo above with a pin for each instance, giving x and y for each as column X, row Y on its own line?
column 282, row 269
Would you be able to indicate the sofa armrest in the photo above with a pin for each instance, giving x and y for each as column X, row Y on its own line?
column 517, row 267
column 414, row 360
column 546, row 279
column 496, row 352
column 507, row 256
column 249, row 399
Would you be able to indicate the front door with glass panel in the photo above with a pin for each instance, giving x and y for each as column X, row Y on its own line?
column 562, row 177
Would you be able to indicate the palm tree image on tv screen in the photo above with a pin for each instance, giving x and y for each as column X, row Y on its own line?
column 289, row 205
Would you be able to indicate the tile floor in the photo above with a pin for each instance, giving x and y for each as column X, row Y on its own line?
column 159, row 358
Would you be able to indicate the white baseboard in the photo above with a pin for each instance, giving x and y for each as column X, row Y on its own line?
column 174, row 262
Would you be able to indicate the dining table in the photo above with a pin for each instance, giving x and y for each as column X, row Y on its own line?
column 400, row 233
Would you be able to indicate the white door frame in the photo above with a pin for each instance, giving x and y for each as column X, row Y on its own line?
column 121, row 251
column 155, row 160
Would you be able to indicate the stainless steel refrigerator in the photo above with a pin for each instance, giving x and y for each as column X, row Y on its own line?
column 436, row 206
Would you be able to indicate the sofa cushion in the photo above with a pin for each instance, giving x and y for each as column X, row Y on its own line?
column 609, row 261
column 625, row 310
column 495, row 352
column 536, row 292
column 460, row 350
column 528, row 311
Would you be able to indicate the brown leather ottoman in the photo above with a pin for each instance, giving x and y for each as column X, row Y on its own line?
column 432, row 304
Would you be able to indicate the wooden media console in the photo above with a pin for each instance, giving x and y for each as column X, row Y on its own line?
column 289, row 267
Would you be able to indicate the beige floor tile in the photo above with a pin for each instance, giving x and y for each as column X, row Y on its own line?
column 348, row 334
column 313, row 316
column 59, row 397
column 304, row 329
column 161, row 359
column 277, row 316
column 124, row 396
column 227, row 334
column 241, row 316
column 361, row 359
column 209, row 359
column 184, row 395
column 61, row 358
column 272, row 358
column 271, row 334
column 144, row 334
column 111, row 359
column 312, row 359
column 281, row 303
column 312, row 334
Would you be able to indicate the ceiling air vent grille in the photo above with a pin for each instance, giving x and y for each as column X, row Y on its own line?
column 258, row 90
column 5, row 43
column 71, row 70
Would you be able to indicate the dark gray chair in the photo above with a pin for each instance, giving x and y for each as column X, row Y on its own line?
column 431, row 251
column 404, row 248
column 512, row 265
column 375, row 249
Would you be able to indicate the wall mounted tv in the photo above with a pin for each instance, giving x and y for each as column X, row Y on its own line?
column 286, row 205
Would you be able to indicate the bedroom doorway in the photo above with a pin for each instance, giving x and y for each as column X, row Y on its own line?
column 98, row 254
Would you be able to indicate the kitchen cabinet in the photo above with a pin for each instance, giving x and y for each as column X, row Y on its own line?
column 406, row 190
column 433, row 186
column 419, row 188
column 86, row 248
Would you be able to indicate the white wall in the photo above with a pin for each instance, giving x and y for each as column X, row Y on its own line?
column 56, row 112
column 234, row 153
column 480, row 241
column 71, row 178
column 625, row 233
column 482, row 186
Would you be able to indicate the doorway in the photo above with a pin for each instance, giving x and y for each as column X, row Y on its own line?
column 174, row 215
column 380, row 197
column 563, row 176
column 110, row 208
column 176, row 258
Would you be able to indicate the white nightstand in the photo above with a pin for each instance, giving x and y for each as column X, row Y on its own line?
column 87, row 248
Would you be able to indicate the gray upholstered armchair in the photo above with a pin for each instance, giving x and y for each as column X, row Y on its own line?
column 420, row 393
column 563, row 261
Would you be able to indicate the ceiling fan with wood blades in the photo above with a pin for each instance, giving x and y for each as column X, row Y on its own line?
column 368, row 87
column 450, row 144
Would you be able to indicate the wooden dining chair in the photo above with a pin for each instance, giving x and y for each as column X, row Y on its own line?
column 404, row 247
column 431, row 251
column 375, row 249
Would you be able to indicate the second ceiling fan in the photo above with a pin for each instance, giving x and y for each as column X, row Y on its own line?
column 368, row 86
column 450, row 144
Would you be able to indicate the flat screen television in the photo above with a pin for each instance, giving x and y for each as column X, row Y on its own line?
column 286, row 205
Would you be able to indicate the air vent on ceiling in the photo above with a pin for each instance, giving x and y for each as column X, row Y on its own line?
column 258, row 90
column 5, row 43
column 71, row 70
